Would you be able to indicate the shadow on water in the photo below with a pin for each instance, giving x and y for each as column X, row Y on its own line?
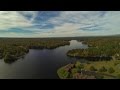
column 39, row 64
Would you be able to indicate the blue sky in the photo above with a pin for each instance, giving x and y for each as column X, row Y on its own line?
column 59, row 23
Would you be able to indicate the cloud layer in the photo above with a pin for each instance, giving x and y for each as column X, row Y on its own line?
column 58, row 23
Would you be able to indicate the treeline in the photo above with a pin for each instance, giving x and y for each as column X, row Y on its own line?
column 102, row 48
column 14, row 48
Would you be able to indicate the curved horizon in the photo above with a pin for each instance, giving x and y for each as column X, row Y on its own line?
column 43, row 24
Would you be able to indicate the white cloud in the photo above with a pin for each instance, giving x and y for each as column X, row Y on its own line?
column 68, row 23
column 108, row 21
column 13, row 19
column 81, row 17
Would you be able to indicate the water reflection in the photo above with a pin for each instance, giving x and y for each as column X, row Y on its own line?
column 39, row 64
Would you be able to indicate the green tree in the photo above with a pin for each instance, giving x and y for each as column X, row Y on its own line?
column 79, row 65
column 63, row 74
column 9, row 58
column 111, row 70
column 92, row 68
column 102, row 69
column 74, row 71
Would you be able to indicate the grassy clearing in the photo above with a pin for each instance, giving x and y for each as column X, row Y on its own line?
column 106, row 69
column 115, row 64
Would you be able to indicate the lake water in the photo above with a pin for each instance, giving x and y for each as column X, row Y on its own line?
column 39, row 64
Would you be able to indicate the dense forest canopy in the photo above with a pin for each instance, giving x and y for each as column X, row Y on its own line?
column 98, row 47
column 13, row 48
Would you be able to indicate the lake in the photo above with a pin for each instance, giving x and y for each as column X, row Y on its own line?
column 39, row 64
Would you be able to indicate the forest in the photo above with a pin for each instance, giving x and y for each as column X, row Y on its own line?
column 103, row 60
column 12, row 49
column 102, row 55
column 101, row 48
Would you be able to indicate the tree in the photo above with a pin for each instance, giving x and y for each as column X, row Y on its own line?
column 63, row 74
column 102, row 69
column 9, row 58
column 111, row 70
column 92, row 68
column 79, row 65
column 74, row 71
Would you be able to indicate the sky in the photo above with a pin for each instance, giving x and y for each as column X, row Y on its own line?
column 59, row 23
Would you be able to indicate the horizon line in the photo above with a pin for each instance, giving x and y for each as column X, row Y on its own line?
column 66, row 36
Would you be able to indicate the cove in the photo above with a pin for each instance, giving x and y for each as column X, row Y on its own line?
column 39, row 64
